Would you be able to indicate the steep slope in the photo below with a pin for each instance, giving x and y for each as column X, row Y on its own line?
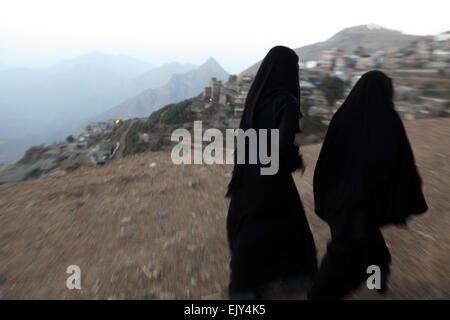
column 179, row 87
column 158, row 232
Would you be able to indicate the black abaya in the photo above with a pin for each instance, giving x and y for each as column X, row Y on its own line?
column 268, row 233
column 365, row 178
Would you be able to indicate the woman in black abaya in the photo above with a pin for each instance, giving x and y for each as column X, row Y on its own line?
column 268, row 233
column 365, row 178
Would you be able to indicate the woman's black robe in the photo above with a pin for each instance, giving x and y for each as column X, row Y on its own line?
column 365, row 178
column 268, row 233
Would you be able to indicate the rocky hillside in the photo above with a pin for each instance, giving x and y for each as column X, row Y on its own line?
column 143, row 228
column 100, row 143
column 104, row 141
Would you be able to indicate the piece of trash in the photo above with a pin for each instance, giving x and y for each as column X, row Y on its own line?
column 162, row 215
column 150, row 273
column 153, row 164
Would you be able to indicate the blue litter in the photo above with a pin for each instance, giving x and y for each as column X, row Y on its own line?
column 162, row 215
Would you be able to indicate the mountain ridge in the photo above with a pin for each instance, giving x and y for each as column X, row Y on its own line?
column 179, row 87
column 62, row 99
column 370, row 36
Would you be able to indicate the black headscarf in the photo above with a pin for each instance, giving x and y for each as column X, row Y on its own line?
column 277, row 74
column 366, row 163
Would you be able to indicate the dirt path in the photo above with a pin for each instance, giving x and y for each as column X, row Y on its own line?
column 141, row 232
column 122, row 140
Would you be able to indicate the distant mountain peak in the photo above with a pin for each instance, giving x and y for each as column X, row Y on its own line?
column 370, row 29
column 211, row 61
column 371, row 36
column 180, row 86
column 365, row 27
column 372, row 26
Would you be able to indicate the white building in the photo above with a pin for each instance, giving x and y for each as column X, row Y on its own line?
column 442, row 36
column 310, row 64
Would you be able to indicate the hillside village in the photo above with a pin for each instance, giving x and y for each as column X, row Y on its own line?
column 420, row 70
column 421, row 74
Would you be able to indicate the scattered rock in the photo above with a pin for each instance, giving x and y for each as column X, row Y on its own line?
column 57, row 173
column 204, row 276
column 167, row 296
column 149, row 294
column 156, row 274
column 96, row 286
column 114, row 278
column 2, row 279
column 192, row 184
column 214, row 296
column 126, row 219
column 77, row 205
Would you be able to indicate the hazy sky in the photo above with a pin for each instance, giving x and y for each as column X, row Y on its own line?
column 236, row 32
